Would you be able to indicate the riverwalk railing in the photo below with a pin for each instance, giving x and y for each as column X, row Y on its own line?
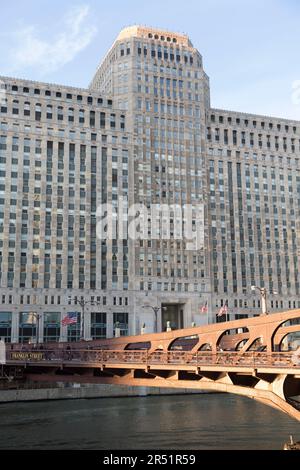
column 85, row 357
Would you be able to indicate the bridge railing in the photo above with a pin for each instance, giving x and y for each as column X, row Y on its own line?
column 106, row 357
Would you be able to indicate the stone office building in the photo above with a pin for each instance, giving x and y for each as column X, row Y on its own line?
column 143, row 133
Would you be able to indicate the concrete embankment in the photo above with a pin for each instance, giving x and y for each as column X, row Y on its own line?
column 74, row 391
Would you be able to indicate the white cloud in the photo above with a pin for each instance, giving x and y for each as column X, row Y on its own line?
column 50, row 55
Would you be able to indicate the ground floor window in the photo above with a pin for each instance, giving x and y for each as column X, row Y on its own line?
column 222, row 319
column 5, row 326
column 121, row 321
column 27, row 327
column 74, row 329
column 98, row 325
column 51, row 327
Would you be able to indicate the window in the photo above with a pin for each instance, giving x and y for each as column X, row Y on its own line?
column 26, row 108
column 5, row 326
column 98, row 325
column 38, row 112
column 60, row 115
column 52, row 322
column 81, row 116
column 92, row 118
column 49, row 114
column 121, row 321
column 112, row 121
column 102, row 120
column 71, row 114
column 15, row 109
column 74, row 330
column 27, row 326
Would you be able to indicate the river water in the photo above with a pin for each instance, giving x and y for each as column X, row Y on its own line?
column 162, row 422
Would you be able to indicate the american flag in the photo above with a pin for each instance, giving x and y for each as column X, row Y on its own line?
column 70, row 319
column 204, row 309
column 223, row 311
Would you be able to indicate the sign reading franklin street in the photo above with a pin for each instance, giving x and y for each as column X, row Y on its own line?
column 23, row 356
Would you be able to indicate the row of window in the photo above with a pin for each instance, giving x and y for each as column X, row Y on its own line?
column 283, row 287
column 27, row 145
column 163, row 53
column 254, row 123
column 72, row 134
column 174, row 71
column 229, row 137
column 29, row 324
column 59, row 300
column 93, row 120
column 165, row 82
column 79, row 275
column 90, row 100
column 261, row 175
column 263, row 158
column 173, row 110
column 240, row 303
column 162, row 38
column 171, row 272
column 171, row 287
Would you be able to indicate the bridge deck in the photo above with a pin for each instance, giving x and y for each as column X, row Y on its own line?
column 171, row 360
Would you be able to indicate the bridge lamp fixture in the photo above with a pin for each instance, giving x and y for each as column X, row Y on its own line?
column 263, row 292
column 155, row 310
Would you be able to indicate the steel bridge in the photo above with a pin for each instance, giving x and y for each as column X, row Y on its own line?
column 247, row 357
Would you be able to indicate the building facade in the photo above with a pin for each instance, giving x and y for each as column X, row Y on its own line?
column 142, row 136
column 253, row 172
column 59, row 150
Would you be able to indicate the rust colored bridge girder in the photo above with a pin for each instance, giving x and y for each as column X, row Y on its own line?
column 267, row 375
column 264, row 326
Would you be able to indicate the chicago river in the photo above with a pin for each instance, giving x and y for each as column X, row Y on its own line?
column 196, row 422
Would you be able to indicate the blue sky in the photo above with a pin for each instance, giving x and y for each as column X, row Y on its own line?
column 250, row 47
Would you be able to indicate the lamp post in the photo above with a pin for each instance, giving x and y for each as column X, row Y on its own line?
column 117, row 330
column 37, row 316
column 155, row 310
column 83, row 304
column 263, row 293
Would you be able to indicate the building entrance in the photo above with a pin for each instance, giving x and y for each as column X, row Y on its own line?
column 172, row 313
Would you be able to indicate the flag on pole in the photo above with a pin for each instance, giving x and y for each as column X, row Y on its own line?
column 204, row 309
column 69, row 319
column 223, row 311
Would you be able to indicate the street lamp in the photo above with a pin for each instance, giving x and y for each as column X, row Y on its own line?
column 263, row 293
column 37, row 316
column 155, row 310
column 83, row 304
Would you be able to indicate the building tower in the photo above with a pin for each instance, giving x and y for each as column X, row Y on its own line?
column 157, row 78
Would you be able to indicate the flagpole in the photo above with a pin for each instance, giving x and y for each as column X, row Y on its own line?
column 204, row 309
